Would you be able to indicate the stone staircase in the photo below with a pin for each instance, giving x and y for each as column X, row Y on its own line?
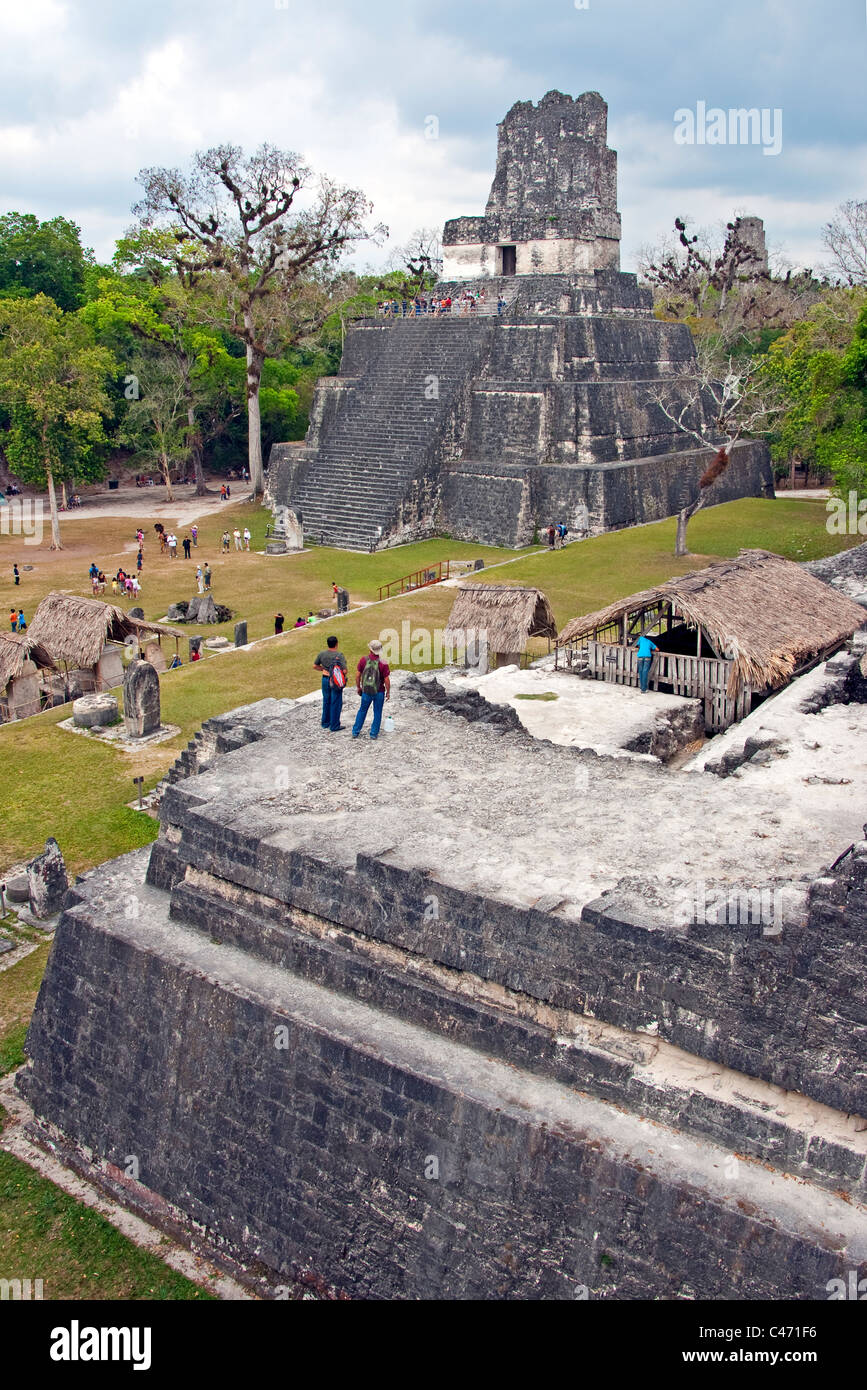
column 389, row 428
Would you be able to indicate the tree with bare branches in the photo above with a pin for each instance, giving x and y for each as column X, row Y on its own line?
column 723, row 398
column 259, row 225
column 725, row 285
column 846, row 239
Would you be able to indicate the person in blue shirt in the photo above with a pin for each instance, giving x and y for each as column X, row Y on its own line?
column 646, row 648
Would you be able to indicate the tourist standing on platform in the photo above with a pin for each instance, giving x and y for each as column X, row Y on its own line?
column 374, row 686
column 332, row 664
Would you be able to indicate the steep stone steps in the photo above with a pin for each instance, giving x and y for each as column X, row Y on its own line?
column 386, row 430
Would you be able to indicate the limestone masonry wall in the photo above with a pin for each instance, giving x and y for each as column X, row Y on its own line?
column 487, row 1100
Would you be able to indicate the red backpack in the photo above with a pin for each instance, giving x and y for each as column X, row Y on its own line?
column 338, row 676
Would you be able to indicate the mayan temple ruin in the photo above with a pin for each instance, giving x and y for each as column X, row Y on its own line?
column 536, row 405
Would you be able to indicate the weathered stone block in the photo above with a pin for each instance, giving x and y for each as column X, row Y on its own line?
column 47, row 881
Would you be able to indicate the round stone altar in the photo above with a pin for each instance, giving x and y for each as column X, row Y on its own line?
column 95, row 711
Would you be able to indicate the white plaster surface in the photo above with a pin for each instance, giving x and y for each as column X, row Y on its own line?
column 586, row 714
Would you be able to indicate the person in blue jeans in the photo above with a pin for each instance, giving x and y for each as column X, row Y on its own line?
column 646, row 648
column 374, row 686
column 332, row 691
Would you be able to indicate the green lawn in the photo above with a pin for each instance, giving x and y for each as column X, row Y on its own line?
column 56, row 783
column 47, row 1235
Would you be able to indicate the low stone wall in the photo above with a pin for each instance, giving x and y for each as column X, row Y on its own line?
column 506, row 503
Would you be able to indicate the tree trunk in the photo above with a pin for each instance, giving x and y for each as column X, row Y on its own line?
column 166, row 467
column 56, row 543
column 683, row 517
column 64, row 500
column 792, row 466
column 194, row 439
column 255, row 362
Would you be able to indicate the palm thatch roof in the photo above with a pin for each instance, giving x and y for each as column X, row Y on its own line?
column 767, row 615
column 508, row 615
column 75, row 629
column 15, row 649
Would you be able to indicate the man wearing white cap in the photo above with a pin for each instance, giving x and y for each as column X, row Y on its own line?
column 373, row 685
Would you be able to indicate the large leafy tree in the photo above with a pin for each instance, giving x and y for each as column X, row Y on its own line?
column 52, row 390
column 42, row 258
column 820, row 366
column 152, row 309
column 260, row 225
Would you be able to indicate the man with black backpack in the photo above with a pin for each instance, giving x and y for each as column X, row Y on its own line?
column 332, row 664
column 373, row 685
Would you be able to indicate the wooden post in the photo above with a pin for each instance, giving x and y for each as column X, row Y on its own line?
column 139, row 781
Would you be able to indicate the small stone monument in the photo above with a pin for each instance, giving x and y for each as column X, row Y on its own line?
column 141, row 699
column 343, row 600
column 135, row 613
column 241, row 634
column 288, row 533
column 47, row 881
column 205, row 610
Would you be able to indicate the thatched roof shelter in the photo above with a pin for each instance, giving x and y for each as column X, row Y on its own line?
column 16, row 648
column 507, row 614
column 768, row 616
column 75, row 629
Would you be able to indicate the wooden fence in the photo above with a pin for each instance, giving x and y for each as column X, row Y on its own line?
column 694, row 677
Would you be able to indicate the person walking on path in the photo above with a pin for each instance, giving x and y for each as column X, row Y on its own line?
column 247, row 538
column 187, row 544
column 551, row 534
column 374, row 686
column 237, row 534
column 207, row 576
column 16, row 574
column 332, row 664
column 139, row 561
column 646, row 648
column 200, row 579
column 279, row 620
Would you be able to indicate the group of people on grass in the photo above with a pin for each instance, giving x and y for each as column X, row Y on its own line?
column 372, row 682
column 17, row 621
column 169, row 541
column 241, row 538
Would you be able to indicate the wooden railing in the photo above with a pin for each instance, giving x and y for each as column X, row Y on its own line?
column 694, row 677
column 419, row 579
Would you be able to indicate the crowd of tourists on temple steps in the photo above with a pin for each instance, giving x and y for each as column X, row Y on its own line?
column 470, row 302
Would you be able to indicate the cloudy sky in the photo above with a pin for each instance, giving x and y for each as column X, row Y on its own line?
column 91, row 91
